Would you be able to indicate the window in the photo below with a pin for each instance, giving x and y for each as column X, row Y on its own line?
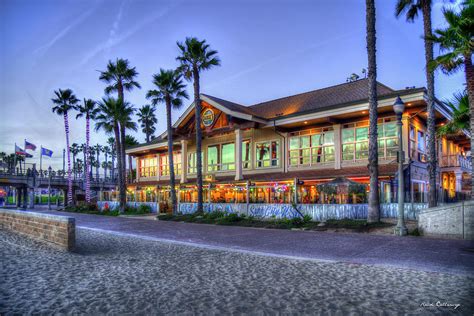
column 355, row 141
column 165, row 166
column 417, row 144
column 311, row 147
column 421, row 146
column 267, row 154
column 388, row 138
column 246, row 159
column 221, row 157
column 192, row 164
column 147, row 167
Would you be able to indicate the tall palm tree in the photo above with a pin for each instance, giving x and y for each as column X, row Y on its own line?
column 196, row 56
column 456, row 41
column 373, row 214
column 108, row 119
column 170, row 90
column 147, row 118
column 120, row 77
column 111, row 142
column 411, row 9
column 106, row 163
column 65, row 101
column 89, row 110
column 98, row 149
column 129, row 142
column 459, row 106
column 75, row 149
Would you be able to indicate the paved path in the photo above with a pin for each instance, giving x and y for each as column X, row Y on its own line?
column 438, row 255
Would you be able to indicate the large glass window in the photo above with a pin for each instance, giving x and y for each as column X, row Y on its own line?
column 192, row 163
column 267, row 154
column 388, row 138
column 165, row 166
column 417, row 144
column 147, row 167
column 311, row 147
column 221, row 157
column 355, row 142
column 246, row 158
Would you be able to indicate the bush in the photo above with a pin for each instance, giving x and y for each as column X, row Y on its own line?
column 144, row 209
column 214, row 215
column 307, row 218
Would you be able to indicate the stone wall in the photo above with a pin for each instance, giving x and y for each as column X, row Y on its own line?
column 57, row 230
column 451, row 221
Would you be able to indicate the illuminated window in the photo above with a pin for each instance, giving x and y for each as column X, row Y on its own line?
column 311, row 147
column 165, row 166
column 147, row 167
column 355, row 142
column 388, row 138
column 192, row 164
column 267, row 154
column 221, row 157
column 246, row 158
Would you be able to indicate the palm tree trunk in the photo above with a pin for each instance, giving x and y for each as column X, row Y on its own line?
column 119, row 164
column 98, row 164
column 174, row 201
column 373, row 214
column 105, row 166
column 69, row 178
column 469, row 71
column 86, row 159
column 431, row 134
column 198, row 108
column 123, row 197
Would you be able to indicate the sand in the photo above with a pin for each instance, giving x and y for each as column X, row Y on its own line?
column 110, row 274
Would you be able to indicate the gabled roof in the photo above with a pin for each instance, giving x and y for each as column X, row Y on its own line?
column 235, row 107
column 319, row 99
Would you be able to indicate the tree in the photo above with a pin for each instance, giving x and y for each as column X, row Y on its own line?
column 147, row 119
column 459, row 106
column 195, row 57
column 456, row 41
column 75, row 149
column 108, row 119
column 120, row 77
column 88, row 110
column 130, row 141
column 106, row 164
column 111, row 142
column 170, row 90
column 373, row 214
column 98, row 149
column 411, row 9
column 64, row 102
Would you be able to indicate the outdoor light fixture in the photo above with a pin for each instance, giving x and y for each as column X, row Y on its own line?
column 400, row 230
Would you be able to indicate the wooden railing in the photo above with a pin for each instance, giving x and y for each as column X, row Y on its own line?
column 455, row 161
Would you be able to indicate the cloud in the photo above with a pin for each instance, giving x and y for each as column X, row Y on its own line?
column 40, row 51
column 115, row 40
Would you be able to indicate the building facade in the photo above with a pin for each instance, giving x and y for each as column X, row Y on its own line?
column 310, row 148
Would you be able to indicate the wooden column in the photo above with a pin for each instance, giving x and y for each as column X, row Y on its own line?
column 238, row 154
column 337, row 146
column 184, row 161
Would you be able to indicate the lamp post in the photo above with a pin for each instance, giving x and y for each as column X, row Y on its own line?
column 49, row 187
column 400, row 230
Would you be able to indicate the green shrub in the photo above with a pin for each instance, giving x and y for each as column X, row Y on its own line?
column 214, row 215
column 144, row 209
column 307, row 218
column 415, row 232
column 297, row 221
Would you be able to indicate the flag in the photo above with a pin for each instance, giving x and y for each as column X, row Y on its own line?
column 27, row 155
column 29, row 146
column 46, row 152
column 20, row 151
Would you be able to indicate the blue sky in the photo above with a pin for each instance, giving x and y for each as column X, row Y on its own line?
column 269, row 49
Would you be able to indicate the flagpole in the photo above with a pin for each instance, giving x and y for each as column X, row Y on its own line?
column 41, row 157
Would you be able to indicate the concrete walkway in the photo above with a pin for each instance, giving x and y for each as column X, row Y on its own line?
column 437, row 255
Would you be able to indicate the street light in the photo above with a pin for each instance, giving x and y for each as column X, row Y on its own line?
column 401, row 229
column 49, row 187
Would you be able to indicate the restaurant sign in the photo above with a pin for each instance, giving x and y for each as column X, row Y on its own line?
column 207, row 117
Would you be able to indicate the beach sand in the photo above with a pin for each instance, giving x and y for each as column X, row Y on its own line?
column 110, row 274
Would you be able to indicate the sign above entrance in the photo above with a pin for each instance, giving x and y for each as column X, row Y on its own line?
column 207, row 117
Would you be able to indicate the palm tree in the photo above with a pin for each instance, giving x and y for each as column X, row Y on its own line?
column 98, row 149
column 196, row 56
column 373, row 214
column 120, row 77
column 106, row 164
column 170, row 90
column 459, row 106
column 147, row 118
column 110, row 111
column 89, row 110
column 75, row 149
column 65, row 101
column 411, row 8
column 111, row 142
column 457, row 41
column 129, row 142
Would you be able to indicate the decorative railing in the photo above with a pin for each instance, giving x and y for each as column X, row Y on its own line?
column 455, row 161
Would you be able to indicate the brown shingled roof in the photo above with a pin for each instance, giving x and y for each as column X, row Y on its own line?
column 319, row 99
column 232, row 105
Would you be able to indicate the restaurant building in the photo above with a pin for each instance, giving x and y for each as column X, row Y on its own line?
column 309, row 149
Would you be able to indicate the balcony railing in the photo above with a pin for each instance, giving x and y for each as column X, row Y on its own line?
column 455, row 161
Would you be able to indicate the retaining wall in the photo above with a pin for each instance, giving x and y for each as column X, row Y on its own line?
column 54, row 229
column 450, row 221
